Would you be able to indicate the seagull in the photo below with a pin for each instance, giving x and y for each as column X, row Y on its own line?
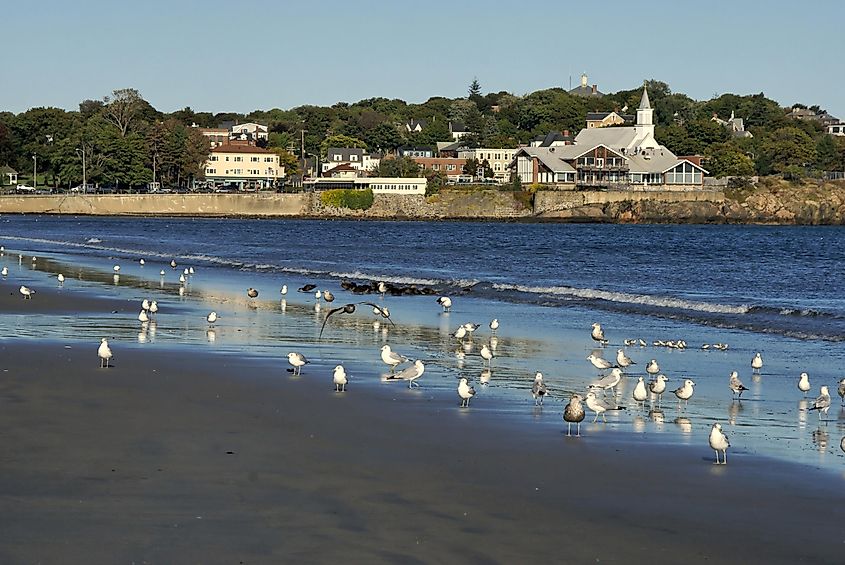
column 599, row 363
column 685, row 391
column 185, row 271
column 339, row 379
column 640, row 393
column 297, row 360
column 190, row 270
column 841, row 391
column 719, row 442
column 4, row 271
column 609, row 381
column 460, row 333
column 145, row 304
column 494, row 324
column 466, row 392
column 105, row 354
column 307, row 288
column 598, row 334
column 251, row 292
column 652, row 368
column 182, row 279
column 599, row 407
column 141, row 262
column 445, row 302
column 212, row 317
column 822, row 402
column 538, row 389
column 143, row 317
column 26, row 292
column 804, row 383
column 736, row 385
column 658, row 386
column 350, row 309
column 61, row 278
column 410, row 374
column 574, row 412
column 318, row 295
column 284, row 290
column 486, row 354
column 328, row 296
column 757, row 362
column 391, row 357
column 382, row 288
column 623, row 360
column 116, row 268
column 161, row 273
column 173, row 263
column 153, row 307
column 470, row 327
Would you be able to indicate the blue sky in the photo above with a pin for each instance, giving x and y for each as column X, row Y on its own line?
column 258, row 54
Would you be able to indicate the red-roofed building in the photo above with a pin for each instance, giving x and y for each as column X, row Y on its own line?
column 244, row 166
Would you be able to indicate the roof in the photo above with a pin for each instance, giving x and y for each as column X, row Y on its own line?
column 457, row 126
column 644, row 104
column 5, row 169
column 551, row 157
column 342, row 168
column 593, row 116
column 585, row 91
column 412, row 123
column 551, row 137
column 345, row 153
column 229, row 148
column 614, row 138
column 449, row 145
column 657, row 161
column 221, row 131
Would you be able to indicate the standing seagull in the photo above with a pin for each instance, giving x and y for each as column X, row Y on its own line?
column 538, row 389
column 599, row 407
column 599, row 363
column 251, row 292
column 61, row 279
column 841, row 391
column 574, row 412
column 4, row 271
column 460, row 333
column 658, row 386
column 26, row 292
column 652, row 368
column 804, row 383
column 105, row 354
column 494, row 325
column 382, row 288
column 173, row 263
column 153, row 307
column 339, row 379
column 410, row 374
column 212, row 317
column 143, row 317
column 736, row 385
column 719, row 442
column 623, row 360
column 757, row 362
column 466, row 392
column 486, row 354
column 445, row 302
column 284, row 290
column 609, row 381
column 684, row 392
column 297, row 361
column 640, row 393
column 391, row 357
column 141, row 262
column 598, row 334
column 822, row 402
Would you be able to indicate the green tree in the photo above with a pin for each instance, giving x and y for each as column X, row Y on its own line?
column 827, row 154
column 398, row 167
column 383, row 137
column 340, row 141
column 471, row 167
column 474, row 87
column 788, row 149
column 122, row 108
column 726, row 160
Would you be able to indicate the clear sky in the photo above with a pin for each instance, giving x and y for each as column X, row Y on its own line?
column 241, row 55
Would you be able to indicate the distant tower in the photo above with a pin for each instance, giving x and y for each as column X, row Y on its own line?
column 645, row 117
column 583, row 80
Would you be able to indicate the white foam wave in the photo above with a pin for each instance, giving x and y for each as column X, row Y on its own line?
column 94, row 240
column 627, row 298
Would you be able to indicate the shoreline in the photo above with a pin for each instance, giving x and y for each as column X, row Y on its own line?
column 175, row 454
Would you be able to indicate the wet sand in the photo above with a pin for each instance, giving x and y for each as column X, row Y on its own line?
column 189, row 457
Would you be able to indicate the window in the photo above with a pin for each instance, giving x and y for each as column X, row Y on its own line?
column 337, row 157
column 599, row 162
column 435, row 167
column 353, row 157
column 213, row 158
column 238, row 171
column 238, row 159
column 268, row 159
column 227, row 157
column 254, row 159
column 210, row 171
column 450, row 167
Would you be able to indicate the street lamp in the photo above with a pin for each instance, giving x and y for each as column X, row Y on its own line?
column 34, row 170
column 84, row 179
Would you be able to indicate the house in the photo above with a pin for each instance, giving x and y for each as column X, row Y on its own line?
column 453, row 167
column 584, row 90
column 553, row 139
column 8, row 176
column 408, row 151
column 836, row 129
column 498, row 159
column 734, row 124
column 619, row 157
column 415, row 126
column 449, row 148
column 799, row 113
column 342, row 171
column 250, row 132
column 245, row 166
column 379, row 185
column 604, row 119
column 357, row 158
column 216, row 136
column 458, row 130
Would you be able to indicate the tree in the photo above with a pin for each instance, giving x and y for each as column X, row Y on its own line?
column 788, row 149
column 474, row 87
column 383, row 137
column 471, row 167
column 287, row 160
column 726, row 160
column 398, row 167
column 827, row 154
column 340, row 141
column 122, row 108
column 435, row 180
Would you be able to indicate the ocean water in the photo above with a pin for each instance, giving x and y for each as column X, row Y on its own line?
column 777, row 290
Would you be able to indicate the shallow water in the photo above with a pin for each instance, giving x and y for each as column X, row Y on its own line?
column 774, row 290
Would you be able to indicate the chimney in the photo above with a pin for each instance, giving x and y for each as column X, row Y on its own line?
column 566, row 133
column 595, row 88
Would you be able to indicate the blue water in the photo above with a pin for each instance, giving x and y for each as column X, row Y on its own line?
column 772, row 289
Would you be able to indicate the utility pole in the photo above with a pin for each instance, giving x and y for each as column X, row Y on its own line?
column 35, row 170
column 302, row 150
column 84, row 175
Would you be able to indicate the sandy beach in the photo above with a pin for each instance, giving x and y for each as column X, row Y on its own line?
column 180, row 456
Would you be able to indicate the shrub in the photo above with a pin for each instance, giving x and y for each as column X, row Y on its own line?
column 348, row 198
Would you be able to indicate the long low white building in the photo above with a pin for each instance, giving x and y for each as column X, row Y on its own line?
column 379, row 185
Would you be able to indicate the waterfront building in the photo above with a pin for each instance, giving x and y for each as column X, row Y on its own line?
column 356, row 158
column 379, row 185
column 498, row 159
column 243, row 166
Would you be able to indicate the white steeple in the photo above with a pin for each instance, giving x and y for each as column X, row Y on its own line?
column 583, row 80
column 645, row 118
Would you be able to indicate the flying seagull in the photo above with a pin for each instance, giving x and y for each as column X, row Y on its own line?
column 350, row 309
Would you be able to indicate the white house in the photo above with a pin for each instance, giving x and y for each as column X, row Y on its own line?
column 379, row 185
column 357, row 158
column 498, row 159
column 248, row 132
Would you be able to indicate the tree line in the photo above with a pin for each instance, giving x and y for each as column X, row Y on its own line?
column 125, row 139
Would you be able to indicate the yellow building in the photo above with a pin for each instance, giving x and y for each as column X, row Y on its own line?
column 243, row 166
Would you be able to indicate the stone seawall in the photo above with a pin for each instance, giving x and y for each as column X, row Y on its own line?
column 630, row 205
column 258, row 204
column 448, row 205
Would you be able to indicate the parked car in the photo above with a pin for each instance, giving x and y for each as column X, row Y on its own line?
column 24, row 189
column 84, row 188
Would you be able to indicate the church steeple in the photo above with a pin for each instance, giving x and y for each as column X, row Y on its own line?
column 644, row 104
column 645, row 117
